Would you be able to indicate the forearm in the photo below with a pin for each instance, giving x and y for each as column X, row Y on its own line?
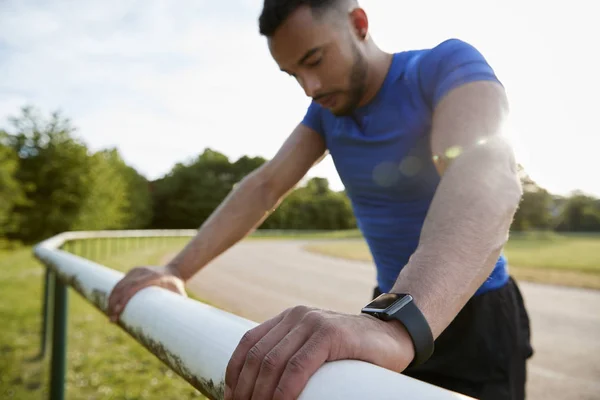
column 464, row 232
column 246, row 207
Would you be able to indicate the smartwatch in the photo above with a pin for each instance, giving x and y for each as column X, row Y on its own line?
column 401, row 307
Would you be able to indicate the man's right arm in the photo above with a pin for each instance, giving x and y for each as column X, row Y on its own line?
column 252, row 200
column 245, row 208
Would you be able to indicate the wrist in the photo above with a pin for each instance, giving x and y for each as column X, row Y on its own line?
column 405, row 322
column 172, row 269
column 401, row 336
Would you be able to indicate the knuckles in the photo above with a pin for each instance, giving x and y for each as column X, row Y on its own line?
column 296, row 365
column 254, row 356
column 325, row 330
column 322, row 324
column 298, row 311
column 248, row 338
column 270, row 362
column 313, row 318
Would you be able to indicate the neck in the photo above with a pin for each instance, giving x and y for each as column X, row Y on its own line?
column 379, row 65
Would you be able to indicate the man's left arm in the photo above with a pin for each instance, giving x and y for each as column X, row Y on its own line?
column 469, row 219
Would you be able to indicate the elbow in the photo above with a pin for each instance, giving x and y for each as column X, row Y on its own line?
column 503, row 178
column 512, row 194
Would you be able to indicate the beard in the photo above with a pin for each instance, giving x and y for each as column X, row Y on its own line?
column 356, row 83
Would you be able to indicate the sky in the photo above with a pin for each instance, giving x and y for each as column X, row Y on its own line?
column 163, row 80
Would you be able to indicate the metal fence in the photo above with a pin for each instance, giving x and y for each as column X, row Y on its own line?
column 194, row 339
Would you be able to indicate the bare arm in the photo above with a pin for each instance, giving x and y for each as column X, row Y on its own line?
column 251, row 201
column 246, row 206
column 470, row 216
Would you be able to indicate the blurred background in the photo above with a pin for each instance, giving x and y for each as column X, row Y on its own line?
column 144, row 115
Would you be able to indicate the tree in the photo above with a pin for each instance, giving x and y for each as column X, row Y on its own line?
column 245, row 165
column 535, row 208
column 187, row 196
column 581, row 213
column 313, row 207
column 138, row 208
column 107, row 202
column 53, row 170
column 65, row 186
column 11, row 193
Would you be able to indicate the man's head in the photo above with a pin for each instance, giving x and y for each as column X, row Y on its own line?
column 322, row 44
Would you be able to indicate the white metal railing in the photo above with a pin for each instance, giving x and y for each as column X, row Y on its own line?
column 197, row 340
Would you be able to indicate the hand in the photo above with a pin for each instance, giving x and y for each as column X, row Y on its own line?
column 137, row 279
column 275, row 359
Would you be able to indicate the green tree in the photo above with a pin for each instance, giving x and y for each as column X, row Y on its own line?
column 53, row 170
column 65, row 186
column 138, row 208
column 106, row 204
column 11, row 193
column 187, row 196
column 313, row 207
column 581, row 213
column 535, row 208
column 189, row 193
column 245, row 165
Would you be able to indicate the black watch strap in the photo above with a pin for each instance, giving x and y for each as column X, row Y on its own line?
column 415, row 323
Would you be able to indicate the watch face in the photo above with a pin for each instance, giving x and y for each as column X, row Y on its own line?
column 384, row 301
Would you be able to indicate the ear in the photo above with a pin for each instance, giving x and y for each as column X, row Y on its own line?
column 360, row 22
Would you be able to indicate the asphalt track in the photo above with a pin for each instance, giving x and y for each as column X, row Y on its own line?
column 259, row 279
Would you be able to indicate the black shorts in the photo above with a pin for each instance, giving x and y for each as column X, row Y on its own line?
column 484, row 350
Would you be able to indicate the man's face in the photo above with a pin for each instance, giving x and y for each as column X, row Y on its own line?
column 324, row 57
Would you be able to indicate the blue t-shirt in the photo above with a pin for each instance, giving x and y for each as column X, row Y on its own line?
column 383, row 157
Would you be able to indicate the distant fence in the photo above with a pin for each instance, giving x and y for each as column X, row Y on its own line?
column 194, row 339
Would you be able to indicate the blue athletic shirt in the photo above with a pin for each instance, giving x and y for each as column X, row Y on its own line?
column 383, row 157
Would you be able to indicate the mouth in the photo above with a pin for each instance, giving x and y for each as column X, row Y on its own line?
column 327, row 101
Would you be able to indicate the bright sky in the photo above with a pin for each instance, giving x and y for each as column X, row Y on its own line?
column 162, row 80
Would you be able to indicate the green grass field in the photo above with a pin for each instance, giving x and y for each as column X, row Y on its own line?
column 571, row 259
column 103, row 362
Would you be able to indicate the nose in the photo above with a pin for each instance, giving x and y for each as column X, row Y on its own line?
column 311, row 85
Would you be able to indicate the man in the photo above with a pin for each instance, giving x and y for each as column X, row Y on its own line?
column 418, row 140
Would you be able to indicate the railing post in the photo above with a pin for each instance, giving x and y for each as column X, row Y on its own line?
column 93, row 243
column 46, row 312
column 84, row 248
column 59, row 341
column 103, row 248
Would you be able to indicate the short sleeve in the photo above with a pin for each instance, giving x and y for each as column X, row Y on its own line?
column 449, row 65
column 313, row 118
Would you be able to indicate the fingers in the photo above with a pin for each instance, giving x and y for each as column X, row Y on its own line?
column 276, row 360
column 114, row 300
column 121, row 294
column 240, row 354
column 135, row 280
column 118, row 300
column 261, row 358
column 126, row 293
column 301, row 366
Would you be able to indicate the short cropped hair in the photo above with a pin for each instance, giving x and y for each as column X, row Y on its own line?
column 275, row 12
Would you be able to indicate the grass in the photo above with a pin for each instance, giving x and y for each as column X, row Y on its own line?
column 103, row 362
column 564, row 259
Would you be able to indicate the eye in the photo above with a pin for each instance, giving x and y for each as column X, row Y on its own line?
column 315, row 63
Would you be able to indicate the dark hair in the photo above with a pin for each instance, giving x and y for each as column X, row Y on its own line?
column 276, row 11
